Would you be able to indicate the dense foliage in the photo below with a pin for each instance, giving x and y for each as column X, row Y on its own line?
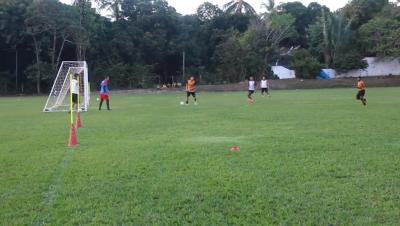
column 141, row 43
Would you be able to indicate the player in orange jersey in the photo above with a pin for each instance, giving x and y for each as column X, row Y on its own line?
column 361, row 91
column 191, row 89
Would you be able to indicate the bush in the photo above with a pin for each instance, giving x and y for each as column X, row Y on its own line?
column 305, row 65
column 349, row 61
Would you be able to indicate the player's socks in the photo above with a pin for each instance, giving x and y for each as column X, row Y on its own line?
column 101, row 103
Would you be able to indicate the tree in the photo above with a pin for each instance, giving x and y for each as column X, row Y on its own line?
column 269, row 6
column 320, row 37
column 239, row 6
column 12, row 18
column 275, row 30
column 36, row 26
column 261, row 42
column 111, row 5
column 305, row 65
column 332, row 37
column 304, row 17
column 381, row 37
column 48, row 23
column 299, row 12
column 229, row 59
column 350, row 60
column 360, row 12
column 207, row 11
column 81, row 35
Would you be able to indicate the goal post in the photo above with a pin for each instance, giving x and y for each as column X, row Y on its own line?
column 58, row 100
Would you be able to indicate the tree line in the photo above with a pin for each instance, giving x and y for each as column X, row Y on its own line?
column 141, row 43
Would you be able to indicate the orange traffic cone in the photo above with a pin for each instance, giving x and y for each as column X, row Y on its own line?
column 78, row 120
column 73, row 142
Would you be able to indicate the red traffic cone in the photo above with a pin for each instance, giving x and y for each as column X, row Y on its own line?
column 78, row 120
column 235, row 149
column 73, row 142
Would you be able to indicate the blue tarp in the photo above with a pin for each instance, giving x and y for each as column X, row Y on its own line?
column 322, row 75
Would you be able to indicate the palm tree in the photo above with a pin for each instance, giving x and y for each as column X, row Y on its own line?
column 270, row 6
column 112, row 5
column 239, row 6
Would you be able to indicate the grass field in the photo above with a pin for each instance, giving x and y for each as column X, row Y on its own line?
column 308, row 157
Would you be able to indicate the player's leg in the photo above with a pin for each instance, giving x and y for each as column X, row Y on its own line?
column 249, row 95
column 108, row 103
column 187, row 97
column 363, row 99
column 75, row 101
column 250, row 98
column 194, row 97
column 101, row 101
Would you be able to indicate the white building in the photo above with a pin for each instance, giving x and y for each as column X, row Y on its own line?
column 283, row 73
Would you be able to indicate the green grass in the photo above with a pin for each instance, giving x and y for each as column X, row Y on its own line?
column 308, row 157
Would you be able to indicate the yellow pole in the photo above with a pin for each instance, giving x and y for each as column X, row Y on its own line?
column 79, row 94
column 70, row 99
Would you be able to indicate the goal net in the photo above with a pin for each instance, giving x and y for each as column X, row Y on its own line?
column 59, row 97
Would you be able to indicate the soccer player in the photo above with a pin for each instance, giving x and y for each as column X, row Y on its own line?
column 104, row 93
column 191, row 90
column 264, row 86
column 361, row 91
column 75, row 91
column 252, row 89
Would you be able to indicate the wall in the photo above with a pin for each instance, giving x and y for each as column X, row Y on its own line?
column 377, row 67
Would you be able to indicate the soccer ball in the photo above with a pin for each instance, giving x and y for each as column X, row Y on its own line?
column 182, row 103
column 98, row 99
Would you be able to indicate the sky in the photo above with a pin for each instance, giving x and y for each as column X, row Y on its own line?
column 190, row 6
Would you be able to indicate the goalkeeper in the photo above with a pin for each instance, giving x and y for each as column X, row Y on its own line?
column 104, row 93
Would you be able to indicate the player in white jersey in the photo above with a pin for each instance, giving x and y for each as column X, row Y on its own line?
column 252, row 89
column 264, row 86
column 75, row 91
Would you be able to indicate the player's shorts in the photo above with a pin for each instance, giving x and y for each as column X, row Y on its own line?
column 74, row 98
column 360, row 94
column 104, row 97
column 264, row 90
column 191, row 94
column 251, row 92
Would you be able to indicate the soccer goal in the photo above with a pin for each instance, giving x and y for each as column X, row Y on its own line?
column 58, row 99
